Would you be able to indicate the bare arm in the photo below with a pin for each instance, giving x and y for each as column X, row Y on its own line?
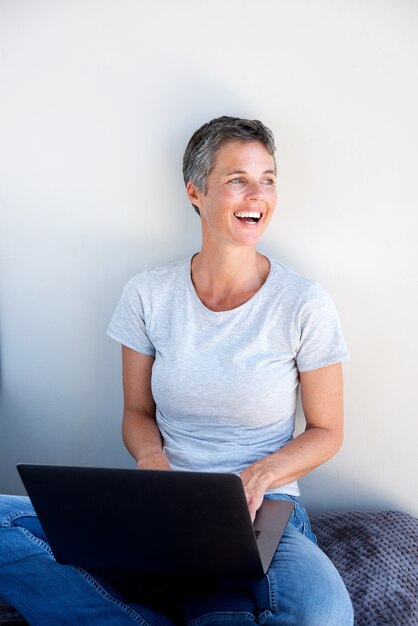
column 139, row 427
column 322, row 401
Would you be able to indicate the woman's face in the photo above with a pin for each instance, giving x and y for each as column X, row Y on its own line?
column 240, row 194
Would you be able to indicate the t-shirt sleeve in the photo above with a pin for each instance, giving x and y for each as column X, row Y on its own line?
column 128, row 324
column 319, row 338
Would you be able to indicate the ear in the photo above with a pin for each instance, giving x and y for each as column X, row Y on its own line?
column 194, row 194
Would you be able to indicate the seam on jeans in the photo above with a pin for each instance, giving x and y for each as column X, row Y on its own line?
column 11, row 517
column 204, row 619
column 105, row 594
column 265, row 615
column 272, row 592
column 39, row 542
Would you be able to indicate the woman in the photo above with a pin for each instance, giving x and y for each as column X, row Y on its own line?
column 214, row 350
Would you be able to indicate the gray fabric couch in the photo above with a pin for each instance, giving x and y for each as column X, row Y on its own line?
column 376, row 554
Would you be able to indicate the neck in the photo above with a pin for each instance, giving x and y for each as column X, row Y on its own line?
column 228, row 278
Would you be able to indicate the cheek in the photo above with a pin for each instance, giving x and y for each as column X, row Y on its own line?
column 222, row 203
column 272, row 199
column 228, row 194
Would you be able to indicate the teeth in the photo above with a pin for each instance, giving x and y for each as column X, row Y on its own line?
column 247, row 214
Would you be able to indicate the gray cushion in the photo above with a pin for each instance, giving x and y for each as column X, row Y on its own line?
column 376, row 554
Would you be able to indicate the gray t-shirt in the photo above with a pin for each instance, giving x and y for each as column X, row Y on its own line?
column 225, row 383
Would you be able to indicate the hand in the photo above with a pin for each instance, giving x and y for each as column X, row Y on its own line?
column 255, row 486
column 154, row 461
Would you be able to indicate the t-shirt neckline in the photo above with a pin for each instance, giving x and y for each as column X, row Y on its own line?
column 244, row 305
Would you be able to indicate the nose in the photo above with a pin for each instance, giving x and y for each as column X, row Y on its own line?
column 254, row 191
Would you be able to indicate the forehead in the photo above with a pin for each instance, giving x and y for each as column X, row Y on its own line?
column 242, row 155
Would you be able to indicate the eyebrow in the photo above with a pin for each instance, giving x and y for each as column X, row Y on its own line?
column 245, row 172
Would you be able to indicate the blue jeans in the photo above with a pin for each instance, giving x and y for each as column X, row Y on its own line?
column 302, row 587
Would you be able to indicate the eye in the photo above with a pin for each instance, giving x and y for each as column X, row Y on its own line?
column 236, row 181
column 269, row 181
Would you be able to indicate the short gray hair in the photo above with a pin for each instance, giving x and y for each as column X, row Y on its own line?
column 199, row 156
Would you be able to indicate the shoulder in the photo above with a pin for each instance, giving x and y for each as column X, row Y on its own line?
column 288, row 281
column 158, row 277
column 300, row 292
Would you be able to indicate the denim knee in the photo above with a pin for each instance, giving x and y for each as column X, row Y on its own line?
column 331, row 607
column 305, row 588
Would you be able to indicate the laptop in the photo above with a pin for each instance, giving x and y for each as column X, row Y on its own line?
column 149, row 521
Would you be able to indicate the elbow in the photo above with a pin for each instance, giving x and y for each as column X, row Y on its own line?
column 329, row 442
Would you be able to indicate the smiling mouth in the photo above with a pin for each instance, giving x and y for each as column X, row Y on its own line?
column 248, row 217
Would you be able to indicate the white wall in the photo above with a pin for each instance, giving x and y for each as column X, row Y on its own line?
column 98, row 99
